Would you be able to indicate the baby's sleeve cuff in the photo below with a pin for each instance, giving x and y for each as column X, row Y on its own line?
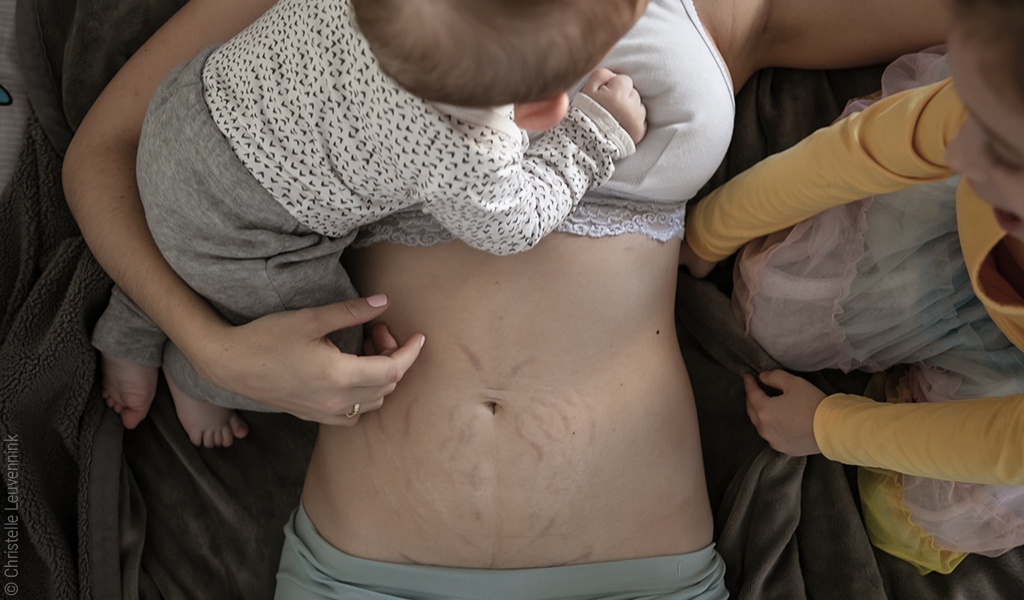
column 605, row 123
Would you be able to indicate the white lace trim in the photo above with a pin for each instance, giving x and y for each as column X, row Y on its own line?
column 661, row 223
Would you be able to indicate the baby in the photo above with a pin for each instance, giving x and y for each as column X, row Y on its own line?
column 261, row 158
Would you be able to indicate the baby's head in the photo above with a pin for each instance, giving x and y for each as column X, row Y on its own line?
column 987, row 54
column 484, row 53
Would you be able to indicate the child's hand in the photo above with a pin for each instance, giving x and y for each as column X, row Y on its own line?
column 697, row 266
column 786, row 422
column 618, row 96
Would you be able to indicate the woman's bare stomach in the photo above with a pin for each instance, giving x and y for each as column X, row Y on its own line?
column 549, row 419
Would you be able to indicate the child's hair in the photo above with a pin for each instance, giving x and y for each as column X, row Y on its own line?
column 482, row 53
column 1000, row 24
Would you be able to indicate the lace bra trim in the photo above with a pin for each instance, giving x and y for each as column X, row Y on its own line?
column 416, row 228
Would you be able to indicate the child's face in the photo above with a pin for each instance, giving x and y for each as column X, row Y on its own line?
column 989, row 148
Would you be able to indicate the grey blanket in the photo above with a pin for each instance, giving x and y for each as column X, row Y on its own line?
column 790, row 528
column 57, row 436
column 107, row 514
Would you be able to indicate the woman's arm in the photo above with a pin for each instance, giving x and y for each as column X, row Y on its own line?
column 819, row 34
column 99, row 167
column 283, row 360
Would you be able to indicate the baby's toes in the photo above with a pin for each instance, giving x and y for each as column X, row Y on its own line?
column 133, row 408
column 131, row 417
column 198, row 438
column 237, row 427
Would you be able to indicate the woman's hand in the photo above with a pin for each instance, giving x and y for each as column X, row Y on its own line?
column 786, row 422
column 284, row 361
column 697, row 266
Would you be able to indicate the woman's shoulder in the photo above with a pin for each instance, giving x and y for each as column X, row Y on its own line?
column 754, row 34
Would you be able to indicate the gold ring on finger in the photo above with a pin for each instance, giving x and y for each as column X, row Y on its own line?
column 355, row 411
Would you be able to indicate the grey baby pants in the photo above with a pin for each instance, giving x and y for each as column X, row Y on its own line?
column 222, row 233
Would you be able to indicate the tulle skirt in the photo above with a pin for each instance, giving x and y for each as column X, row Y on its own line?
column 882, row 282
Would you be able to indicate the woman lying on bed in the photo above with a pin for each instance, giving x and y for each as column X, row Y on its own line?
column 549, row 420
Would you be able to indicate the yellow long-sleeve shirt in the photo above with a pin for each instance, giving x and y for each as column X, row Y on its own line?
column 896, row 142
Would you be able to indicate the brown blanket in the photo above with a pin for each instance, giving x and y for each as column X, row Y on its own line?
column 54, row 429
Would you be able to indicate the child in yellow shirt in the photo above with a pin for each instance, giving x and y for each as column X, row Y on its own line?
column 940, row 289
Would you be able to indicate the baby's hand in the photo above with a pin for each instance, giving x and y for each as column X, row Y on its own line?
column 616, row 94
column 786, row 422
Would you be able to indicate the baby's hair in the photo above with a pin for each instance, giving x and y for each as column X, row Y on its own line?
column 483, row 53
column 1000, row 25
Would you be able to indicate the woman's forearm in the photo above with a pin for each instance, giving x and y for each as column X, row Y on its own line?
column 99, row 170
column 101, row 191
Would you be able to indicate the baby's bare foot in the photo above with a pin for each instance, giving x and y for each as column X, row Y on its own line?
column 206, row 424
column 128, row 388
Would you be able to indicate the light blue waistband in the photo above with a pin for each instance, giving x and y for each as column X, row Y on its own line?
column 313, row 569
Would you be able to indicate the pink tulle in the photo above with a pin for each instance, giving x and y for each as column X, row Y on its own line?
column 880, row 282
column 967, row 517
column 791, row 286
column 795, row 280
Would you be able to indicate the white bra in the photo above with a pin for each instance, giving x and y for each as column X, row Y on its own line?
column 690, row 102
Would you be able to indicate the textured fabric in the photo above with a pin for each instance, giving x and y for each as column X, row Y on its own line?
column 312, row 569
column 891, row 528
column 786, row 526
column 309, row 112
column 51, row 415
column 690, row 112
column 925, row 519
column 204, row 523
column 872, row 284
